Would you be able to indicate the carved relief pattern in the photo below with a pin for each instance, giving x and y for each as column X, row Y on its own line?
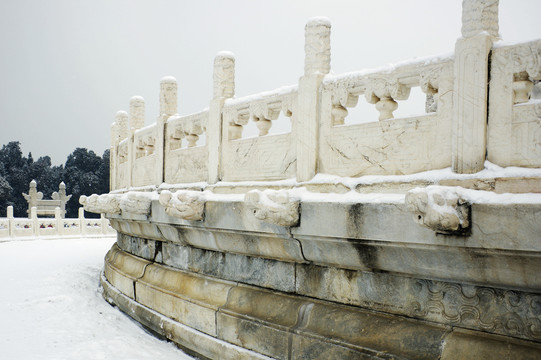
column 137, row 112
column 168, row 96
column 317, row 47
column 271, row 157
column 275, row 207
column 439, row 208
column 224, row 75
column 184, row 204
column 479, row 16
column 105, row 203
column 261, row 110
column 186, row 127
column 123, row 152
column 526, row 134
column 186, row 165
column 135, row 202
column 121, row 121
column 527, row 57
column 383, row 92
column 494, row 310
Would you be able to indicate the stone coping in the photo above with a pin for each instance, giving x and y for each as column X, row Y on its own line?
column 382, row 184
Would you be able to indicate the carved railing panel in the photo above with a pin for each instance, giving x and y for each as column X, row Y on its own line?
column 264, row 157
column 390, row 145
column 514, row 124
column 186, row 154
column 122, row 166
column 144, row 156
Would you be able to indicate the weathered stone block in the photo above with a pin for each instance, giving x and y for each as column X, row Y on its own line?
column 502, row 311
column 122, row 270
column 177, row 308
column 464, row 344
column 253, row 335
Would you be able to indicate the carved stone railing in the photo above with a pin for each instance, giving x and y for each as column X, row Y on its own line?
column 513, row 71
column 452, row 133
column 389, row 237
column 144, row 156
column 186, row 159
column 389, row 145
column 57, row 226
column 266, row 156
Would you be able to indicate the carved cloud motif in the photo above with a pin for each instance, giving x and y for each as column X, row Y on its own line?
column 439, row 208
column 184, row 204
column 275, row 207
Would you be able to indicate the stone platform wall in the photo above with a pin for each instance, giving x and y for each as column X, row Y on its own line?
column 359, row 280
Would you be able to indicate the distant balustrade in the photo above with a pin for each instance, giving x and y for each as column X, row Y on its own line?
column 34, row 227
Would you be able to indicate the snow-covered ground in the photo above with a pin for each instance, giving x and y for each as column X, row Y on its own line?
column 51, row 307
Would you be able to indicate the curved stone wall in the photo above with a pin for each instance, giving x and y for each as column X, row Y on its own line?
column 222, row 305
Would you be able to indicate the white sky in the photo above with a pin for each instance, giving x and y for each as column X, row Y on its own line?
column 67, row 66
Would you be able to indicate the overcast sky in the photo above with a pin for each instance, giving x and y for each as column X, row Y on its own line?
column 67, row 66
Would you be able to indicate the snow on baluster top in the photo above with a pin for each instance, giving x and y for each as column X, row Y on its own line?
column 284, row 90
column 390, row 68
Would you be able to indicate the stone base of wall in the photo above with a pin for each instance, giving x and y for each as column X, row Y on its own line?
column 230, row 306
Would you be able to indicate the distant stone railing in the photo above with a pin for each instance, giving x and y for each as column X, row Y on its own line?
column 33, row 227
column 453, row 132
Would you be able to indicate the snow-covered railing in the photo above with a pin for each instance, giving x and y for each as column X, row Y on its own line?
column 387, row 145
column 515, row 112
column 460, row 128
column 144, row 156
column 265, row 156
column 12, row 227
column 185, row 148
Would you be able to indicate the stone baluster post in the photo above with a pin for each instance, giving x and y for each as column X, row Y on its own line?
column 123, row 125
column 168, row 107
column 113, row 156
column 11, row 221
column 136, row 118
column 35, row 221
column 137, row 112
column 224, row 88
column 123, row 132
column 58, row 216
column 317, row 63
column 82, row 221
column 479, row 30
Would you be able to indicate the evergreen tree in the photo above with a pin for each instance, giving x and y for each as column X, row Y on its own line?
column 84, row 173
column 84, row 176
